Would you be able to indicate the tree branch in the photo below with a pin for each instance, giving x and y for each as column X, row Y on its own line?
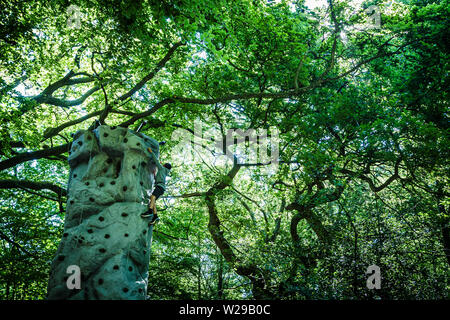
column 26, row 156
column 149, row 76
column 51, row 132
column 371, row 184
column 12, row 184
column 248, row 270
column 15, row 244
column 48, row 99
column 46, row 95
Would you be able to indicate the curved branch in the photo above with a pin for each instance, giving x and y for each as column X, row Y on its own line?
column 46, row 95
column 149, row 76
column 244, row 269
column 48, row 99
column 12, row 184
column 15, row 244
column 250, row 271
column 147, row 113
column 26, row 156
column 296, row 92
column 190, row 195
column 224, row 99
column 51, row 132
column 313, row 220
column 369, row 181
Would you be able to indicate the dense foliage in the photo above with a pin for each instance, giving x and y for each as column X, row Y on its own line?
column 361, row 109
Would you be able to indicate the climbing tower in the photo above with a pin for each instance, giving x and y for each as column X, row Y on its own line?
column 104, row 236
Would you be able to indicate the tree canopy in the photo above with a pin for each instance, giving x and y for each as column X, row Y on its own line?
column 357, row 93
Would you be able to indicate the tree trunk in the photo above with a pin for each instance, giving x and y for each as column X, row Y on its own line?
column 104, row 235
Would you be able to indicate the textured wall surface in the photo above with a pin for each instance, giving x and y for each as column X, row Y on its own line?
column 109, row 187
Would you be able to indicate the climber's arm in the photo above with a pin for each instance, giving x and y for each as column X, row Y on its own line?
column 160, row 182
column 160, row 179
column 155, row 160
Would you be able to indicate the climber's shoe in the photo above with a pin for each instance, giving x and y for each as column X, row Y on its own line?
column 154, row 220
column 147, row 213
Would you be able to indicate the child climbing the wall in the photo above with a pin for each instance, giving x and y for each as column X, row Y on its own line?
column 160, row 187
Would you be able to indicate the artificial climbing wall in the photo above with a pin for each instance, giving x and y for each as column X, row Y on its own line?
column 104, row 236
